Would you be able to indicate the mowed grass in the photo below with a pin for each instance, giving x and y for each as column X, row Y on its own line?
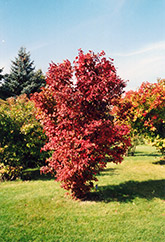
column 128, row 206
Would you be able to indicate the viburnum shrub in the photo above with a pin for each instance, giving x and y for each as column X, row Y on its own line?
column 76, row 118
column 144, row 110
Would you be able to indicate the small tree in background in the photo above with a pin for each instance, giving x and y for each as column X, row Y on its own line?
column 22, row 77
column 144, row 110
column 76, row 118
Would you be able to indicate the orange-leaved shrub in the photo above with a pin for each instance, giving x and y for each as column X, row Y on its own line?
column 144, row 111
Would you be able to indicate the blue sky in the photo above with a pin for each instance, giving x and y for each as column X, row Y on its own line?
column 132, row 32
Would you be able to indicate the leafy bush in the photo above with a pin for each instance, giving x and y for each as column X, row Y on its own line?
column 21, row 135
column 82, row 134
column 144, row 111
column 9, row 172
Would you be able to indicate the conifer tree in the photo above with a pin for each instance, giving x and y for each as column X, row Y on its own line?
column 4, row 89
column 22, row 77
column 1, row 76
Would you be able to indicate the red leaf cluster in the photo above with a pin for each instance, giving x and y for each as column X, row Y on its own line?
column 76, row 118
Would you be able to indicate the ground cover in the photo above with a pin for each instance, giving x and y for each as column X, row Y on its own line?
column 129, row 205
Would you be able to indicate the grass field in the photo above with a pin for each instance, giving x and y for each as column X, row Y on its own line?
column 128, row 206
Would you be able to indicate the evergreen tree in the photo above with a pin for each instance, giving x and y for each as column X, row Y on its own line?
column 1, row 76
column 22, row 77
column 37, row 81
column 4, row 89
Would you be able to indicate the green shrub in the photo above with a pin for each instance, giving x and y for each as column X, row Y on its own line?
column 21, row 135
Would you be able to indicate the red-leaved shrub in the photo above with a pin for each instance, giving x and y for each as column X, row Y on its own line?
column 76, row 117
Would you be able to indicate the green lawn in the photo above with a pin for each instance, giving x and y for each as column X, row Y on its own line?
column 128, row 206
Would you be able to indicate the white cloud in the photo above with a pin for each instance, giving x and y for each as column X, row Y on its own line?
column 38, row 46
column 138, row 70
column 149, row 48
column 145, row 64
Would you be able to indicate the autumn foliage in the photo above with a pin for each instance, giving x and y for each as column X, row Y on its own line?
column 144, row 110
column 83, row 135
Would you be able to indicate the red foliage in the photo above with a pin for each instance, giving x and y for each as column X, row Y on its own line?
column 145, row 107
column 82, row 134
column 144, row 110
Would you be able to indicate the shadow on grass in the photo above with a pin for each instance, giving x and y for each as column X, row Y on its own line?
column 108, row 172
column 160, row 162
column 138, row 153
column 34, row 174
column 128, row 191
